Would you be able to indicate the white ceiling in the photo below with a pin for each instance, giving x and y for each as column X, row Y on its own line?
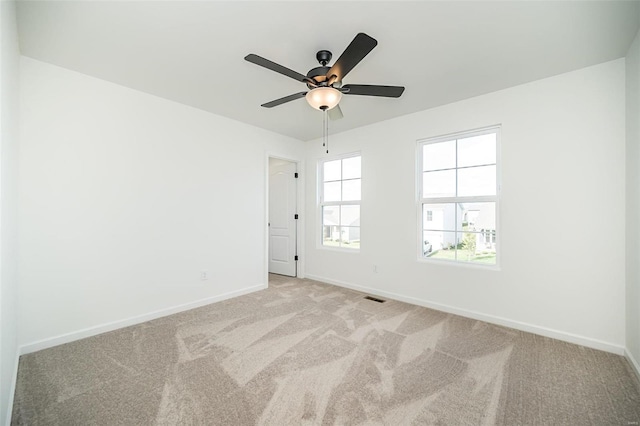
column 192, row 52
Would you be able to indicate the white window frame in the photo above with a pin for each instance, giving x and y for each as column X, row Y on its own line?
column 321, row 203
column 455, row 199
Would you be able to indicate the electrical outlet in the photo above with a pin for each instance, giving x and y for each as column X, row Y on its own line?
column 204, row 275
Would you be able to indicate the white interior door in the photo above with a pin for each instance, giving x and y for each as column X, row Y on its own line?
column 282, row 222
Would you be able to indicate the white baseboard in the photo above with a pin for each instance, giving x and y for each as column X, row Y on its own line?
column 530, row 328
column 12, row 387
column 103, row 328
column 634, row 363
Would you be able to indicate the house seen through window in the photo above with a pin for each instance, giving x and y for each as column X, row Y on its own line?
column 459, row 197
column 339, row 191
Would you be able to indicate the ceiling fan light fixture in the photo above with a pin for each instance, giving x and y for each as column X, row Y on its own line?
column 322, row 98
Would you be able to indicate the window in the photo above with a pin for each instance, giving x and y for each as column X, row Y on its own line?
column 340, row 182
column 458, row 197
column 489, row 236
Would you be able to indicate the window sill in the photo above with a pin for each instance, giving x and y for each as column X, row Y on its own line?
column 455, row 263
column 338, row 249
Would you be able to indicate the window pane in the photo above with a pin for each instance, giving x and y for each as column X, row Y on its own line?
column 351, row 190
column 332, row 170
column 351, row 168
column 443, row 216
column 350, row 237
column 478, row 233
column 477, row 181
column 467, row 246
column 331, row 226
column 331, row 236
column 477, row 150
column 332, row 191
column 437, row 156
column 331, row 215
column 439, row 244
column 439, row 184
column 477, row 217
column 350, row 216
column 472, row 248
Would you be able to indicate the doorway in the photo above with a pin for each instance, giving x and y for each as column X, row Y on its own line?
column 283, row 217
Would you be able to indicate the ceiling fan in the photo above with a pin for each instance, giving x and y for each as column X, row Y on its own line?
column 325, row 83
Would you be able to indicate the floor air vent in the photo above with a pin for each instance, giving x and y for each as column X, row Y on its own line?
column 375, row 299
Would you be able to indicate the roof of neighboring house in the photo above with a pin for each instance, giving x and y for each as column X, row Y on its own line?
column 332, row 218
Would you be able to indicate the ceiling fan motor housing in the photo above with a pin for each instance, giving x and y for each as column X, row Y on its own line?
column 319, row 75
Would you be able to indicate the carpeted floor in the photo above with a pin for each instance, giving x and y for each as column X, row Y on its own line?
column 303, row 352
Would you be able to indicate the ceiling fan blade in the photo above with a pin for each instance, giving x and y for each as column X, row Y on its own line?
column 373, row 90
column 335, row 113
column 360, row 47
column 284, row 100
column 259, row 60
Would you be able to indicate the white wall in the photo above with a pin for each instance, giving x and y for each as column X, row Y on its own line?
column 9, row 63
column 633, row 202
column 562, row 214
column 126, row 198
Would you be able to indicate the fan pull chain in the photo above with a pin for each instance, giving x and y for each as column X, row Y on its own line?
column 326, row 131
column 324, row 119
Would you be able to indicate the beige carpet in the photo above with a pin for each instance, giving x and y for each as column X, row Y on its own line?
column 303, row 353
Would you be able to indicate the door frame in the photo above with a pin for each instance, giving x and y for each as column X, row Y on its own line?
column 300, row 184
